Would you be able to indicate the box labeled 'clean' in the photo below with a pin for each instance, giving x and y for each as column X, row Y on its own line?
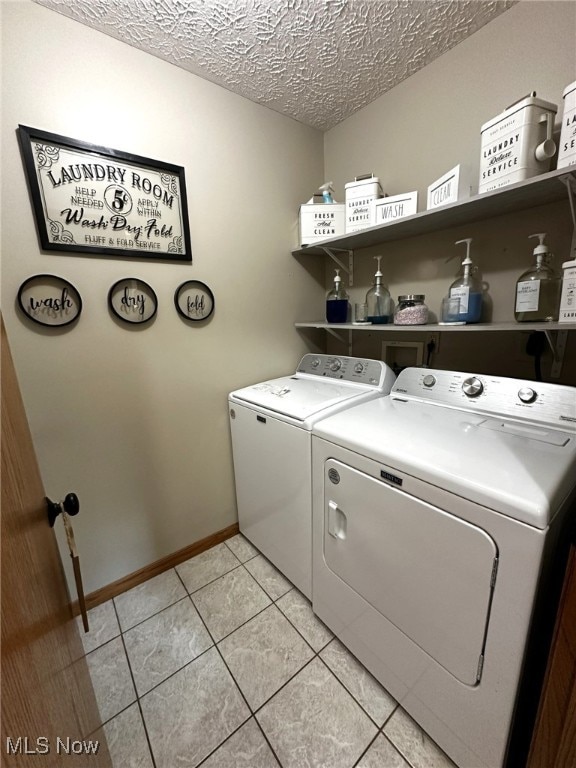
column 567, row 150
column 321, row 222
column 517, row 144
column 449, row 188
column 360, row 196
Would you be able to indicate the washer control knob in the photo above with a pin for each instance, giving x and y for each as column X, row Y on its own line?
column 429, row 380
column 315, row 362
column 336, row 364
column 527, row 395
column 359, row 367
column 472, row 387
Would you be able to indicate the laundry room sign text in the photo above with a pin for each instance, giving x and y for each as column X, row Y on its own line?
column 92, row 199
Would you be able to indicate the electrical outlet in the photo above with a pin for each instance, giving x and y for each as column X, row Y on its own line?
column 401, row 354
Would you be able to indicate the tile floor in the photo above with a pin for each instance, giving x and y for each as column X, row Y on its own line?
column 220, row 662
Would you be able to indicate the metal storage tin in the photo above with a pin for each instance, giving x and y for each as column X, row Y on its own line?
column 567, row 150
column 517, row 144
column 320, row 222
column 360, row 196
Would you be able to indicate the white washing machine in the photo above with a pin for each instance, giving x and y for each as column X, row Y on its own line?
column 271, row 427
column 436, row 512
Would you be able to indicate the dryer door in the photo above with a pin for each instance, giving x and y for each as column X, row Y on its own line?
column 423, row 569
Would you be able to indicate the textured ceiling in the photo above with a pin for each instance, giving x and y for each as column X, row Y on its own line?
column 317, row 61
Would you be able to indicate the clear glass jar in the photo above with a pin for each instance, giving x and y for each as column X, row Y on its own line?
column 411, row 310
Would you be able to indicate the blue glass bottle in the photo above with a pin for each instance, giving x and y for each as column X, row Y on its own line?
column 468, row 289
column 337, row 302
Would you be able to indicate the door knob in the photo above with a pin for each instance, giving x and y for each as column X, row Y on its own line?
column 70, row 505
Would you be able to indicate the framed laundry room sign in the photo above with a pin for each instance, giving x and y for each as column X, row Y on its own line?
column 101, row 201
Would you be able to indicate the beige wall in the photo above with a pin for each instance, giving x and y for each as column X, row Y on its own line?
column 135, row 421
column 427, row 125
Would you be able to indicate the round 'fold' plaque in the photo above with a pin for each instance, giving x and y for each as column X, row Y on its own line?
column 194, row 300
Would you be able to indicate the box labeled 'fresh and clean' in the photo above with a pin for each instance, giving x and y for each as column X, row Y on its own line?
column 321, row 222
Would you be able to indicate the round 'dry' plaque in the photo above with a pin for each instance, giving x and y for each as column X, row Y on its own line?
column 132, row 300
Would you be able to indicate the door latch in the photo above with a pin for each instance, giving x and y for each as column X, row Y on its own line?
column 70, row 506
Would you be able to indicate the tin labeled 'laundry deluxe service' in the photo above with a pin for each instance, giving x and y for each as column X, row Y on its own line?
column 517, row 144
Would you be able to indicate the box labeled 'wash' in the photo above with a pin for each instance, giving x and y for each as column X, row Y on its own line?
column 321, row 222
column 567, row 150
column 360, row 196
column 517, row 144
column 396, row 207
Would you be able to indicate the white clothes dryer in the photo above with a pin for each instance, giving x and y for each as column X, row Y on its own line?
column 271, row 425
column 436, row 513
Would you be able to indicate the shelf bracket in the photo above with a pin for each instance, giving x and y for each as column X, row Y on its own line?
column 341, row 338
column 570, row 183
column 336, row 335
column 349, row 268
column 558, row 351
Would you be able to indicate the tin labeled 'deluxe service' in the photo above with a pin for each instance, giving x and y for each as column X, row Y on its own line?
column 567, row 149
column 517, row 144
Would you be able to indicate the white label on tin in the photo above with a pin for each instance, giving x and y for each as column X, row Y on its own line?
column 500, row 157
column 463, row 294
column 567, row 150
column 527, row 296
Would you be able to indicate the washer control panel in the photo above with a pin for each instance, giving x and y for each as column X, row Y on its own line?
column 359, row 370
column 553, row 404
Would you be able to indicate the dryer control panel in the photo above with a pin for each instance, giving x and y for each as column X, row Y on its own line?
column 536, row 401
column 359, row 370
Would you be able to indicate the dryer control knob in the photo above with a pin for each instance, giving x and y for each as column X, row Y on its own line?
column 429, row 380
column 527, row 395
column 336, row 364
column 472, row 387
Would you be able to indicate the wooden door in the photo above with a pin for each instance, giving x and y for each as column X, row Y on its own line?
column 554, row 738
column 49, row 712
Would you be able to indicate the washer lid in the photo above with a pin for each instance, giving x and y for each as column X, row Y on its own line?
column 524, row 473
column 298, row 398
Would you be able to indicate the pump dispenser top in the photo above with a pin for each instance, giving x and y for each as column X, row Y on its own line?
column 538, row 289
column 337, row 302
column 378, row 299
column 541, row 249
column 327, row 190
column 467, row 288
